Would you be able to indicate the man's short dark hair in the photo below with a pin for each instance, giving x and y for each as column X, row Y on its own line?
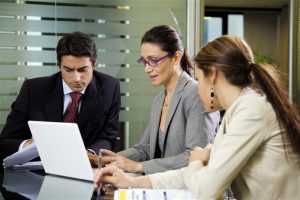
column 76, row 44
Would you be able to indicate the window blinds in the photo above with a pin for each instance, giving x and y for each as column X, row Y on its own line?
column 29, row 31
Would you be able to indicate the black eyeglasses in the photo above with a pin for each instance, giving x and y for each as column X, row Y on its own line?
column 152, row 63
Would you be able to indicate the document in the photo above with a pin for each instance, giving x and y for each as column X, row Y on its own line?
column 21, row 157
column 34, row 165
column 157, row 194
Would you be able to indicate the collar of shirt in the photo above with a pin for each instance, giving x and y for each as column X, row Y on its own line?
column 67, row 97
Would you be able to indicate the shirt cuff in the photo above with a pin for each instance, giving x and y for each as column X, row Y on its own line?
column 92, row 151
column 22, row 145
column 196, row 163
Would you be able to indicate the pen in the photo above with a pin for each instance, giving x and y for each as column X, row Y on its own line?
column 99, row 167
column 165, row 195
column 144, row 195
column 132, row 194
column 98, row 193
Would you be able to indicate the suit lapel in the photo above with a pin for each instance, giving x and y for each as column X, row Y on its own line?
column 176, row 98
column 53, row 103
column 184, row 78
column 89, row 103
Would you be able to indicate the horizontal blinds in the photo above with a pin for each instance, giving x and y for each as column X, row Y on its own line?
column 29, row 31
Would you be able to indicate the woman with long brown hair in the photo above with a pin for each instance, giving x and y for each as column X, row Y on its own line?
column 257, row 147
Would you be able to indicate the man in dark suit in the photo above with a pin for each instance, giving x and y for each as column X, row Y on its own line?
column 48, row 98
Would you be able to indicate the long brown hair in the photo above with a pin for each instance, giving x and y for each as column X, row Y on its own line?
column 234, row 58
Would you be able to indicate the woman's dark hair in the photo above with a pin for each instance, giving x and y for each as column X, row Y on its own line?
column 233, row 57
column 169, row 41
column 76, row 44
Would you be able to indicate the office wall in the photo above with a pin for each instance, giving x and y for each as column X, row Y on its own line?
column 29, row 31
column 268, row 32
column 283, row 46
column 261, row 32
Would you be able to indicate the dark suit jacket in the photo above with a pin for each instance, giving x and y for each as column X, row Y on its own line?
column 42, row 99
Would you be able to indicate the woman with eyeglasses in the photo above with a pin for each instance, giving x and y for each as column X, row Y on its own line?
column 256, row 149
column 178, row 120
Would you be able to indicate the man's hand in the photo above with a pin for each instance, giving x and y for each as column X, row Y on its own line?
column 121, row 162
column 200, row 154
column 28, row 142
column 93, row 159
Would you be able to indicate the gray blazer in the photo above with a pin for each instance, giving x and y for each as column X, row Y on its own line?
column 188, row 125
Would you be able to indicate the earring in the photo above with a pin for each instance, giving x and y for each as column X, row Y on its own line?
column 212, row 95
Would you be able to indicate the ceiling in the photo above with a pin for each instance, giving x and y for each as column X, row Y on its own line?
column 247, row 3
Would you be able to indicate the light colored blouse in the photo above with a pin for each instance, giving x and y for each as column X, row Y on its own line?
column 247, row 152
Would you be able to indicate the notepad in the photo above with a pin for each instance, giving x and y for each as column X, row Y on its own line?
column 157, row 194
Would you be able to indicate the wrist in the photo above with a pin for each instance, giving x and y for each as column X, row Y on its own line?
column 139, row 182
column 139, row 168
column 195, row 161
column 131, row 182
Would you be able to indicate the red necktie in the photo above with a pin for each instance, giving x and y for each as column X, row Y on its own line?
column 72, row 110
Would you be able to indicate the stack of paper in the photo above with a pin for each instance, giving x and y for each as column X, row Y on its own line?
column 19, row 160
column 33, row 165
column 157, row 194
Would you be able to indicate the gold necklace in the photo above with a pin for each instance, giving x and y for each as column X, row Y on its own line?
column 168, row 99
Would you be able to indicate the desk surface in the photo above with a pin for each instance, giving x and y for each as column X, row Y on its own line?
column 36, row 185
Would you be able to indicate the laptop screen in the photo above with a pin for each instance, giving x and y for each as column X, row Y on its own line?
column 61, row 149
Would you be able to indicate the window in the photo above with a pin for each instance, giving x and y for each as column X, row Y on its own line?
column 219, row 23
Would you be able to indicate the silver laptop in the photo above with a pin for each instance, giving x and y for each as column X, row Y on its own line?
column 61, row 149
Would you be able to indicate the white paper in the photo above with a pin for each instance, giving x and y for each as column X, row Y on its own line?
column 157, row 194
column 34, row 165
column 21, row 157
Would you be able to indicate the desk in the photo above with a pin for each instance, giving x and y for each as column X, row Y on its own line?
column 37, row 185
